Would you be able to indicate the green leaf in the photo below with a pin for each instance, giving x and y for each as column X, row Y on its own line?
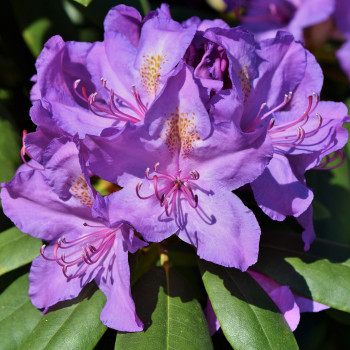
column 173, row 319
column 332, row 192
column 38, row 20
column 248, row 317
column 17, row 249
column 18, row 317
column 77, row 326
column 83, row 2
column 9, row 151
column 142, row 261
column 35, row 34
column 321, row 274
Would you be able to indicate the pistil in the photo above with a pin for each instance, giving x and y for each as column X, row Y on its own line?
column 173, row 187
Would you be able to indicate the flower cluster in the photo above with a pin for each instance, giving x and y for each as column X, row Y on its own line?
column 177, row 116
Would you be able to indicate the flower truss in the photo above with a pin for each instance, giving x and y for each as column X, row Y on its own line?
column 177, row 128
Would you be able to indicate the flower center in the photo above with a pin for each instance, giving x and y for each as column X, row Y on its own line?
column 171, row 189
column 111, row 109
column 82, row 252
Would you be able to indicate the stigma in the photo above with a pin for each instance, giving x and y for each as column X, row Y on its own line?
column 172, row 187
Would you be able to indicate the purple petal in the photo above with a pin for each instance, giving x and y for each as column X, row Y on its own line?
column 279, row 192
column 211, row 318
column 35, row 209
column 307, row 305
column 210, row 228
column 343, row 57
column 156, row 53
column 66, row 173
column 119, row 312
column 125, row 205
column 306, row 221
column 281, row 296
column 125, row 20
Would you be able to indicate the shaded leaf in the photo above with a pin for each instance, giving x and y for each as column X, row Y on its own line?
column 77, row 326
column 17, row 249
column 83, row 2
column 40, row 19
column 332, row 191
column 18, row 317
column 173, row 319
column 248, row 317
column 9, row 150
column 322, row 274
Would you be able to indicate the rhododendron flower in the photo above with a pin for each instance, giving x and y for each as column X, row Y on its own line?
column 105, row 84
column 197, row 163
column 289, row 303
column 278, row 84
column 57, row 204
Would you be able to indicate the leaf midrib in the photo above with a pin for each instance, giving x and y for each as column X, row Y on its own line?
column 254, row 313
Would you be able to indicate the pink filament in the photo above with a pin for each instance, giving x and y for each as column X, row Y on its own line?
column 112, row 112
column 337, row 156
column 168, row 194
column 82, row 252
column 301, row 135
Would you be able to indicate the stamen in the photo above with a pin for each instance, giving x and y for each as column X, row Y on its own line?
column 113, row 111
column 258, row 118
column 173, row 187
column 82, row 252
column 277, row 132
column 337, row 156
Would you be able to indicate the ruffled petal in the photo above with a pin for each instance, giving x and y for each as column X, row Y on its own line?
column 125, row 20
column 35, row 209
column 279, row 192
column 119, row 312
column 222, row 229
column 157, row 55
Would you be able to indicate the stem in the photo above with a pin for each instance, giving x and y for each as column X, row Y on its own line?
column 145, row 6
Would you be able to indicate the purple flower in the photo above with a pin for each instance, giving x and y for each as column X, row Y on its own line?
column 105, row 84
column 57, row 204
column 197, row 163
column 265, row 17
column 277, row 84
column 289, row 303
column 302, row 133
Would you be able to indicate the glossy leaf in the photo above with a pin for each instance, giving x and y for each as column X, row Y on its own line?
column 17, row 249
column 9, row 151
column 322, row 274
column 247, row 315
column 173, row 319
column 76, row 326
column 18, row 317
